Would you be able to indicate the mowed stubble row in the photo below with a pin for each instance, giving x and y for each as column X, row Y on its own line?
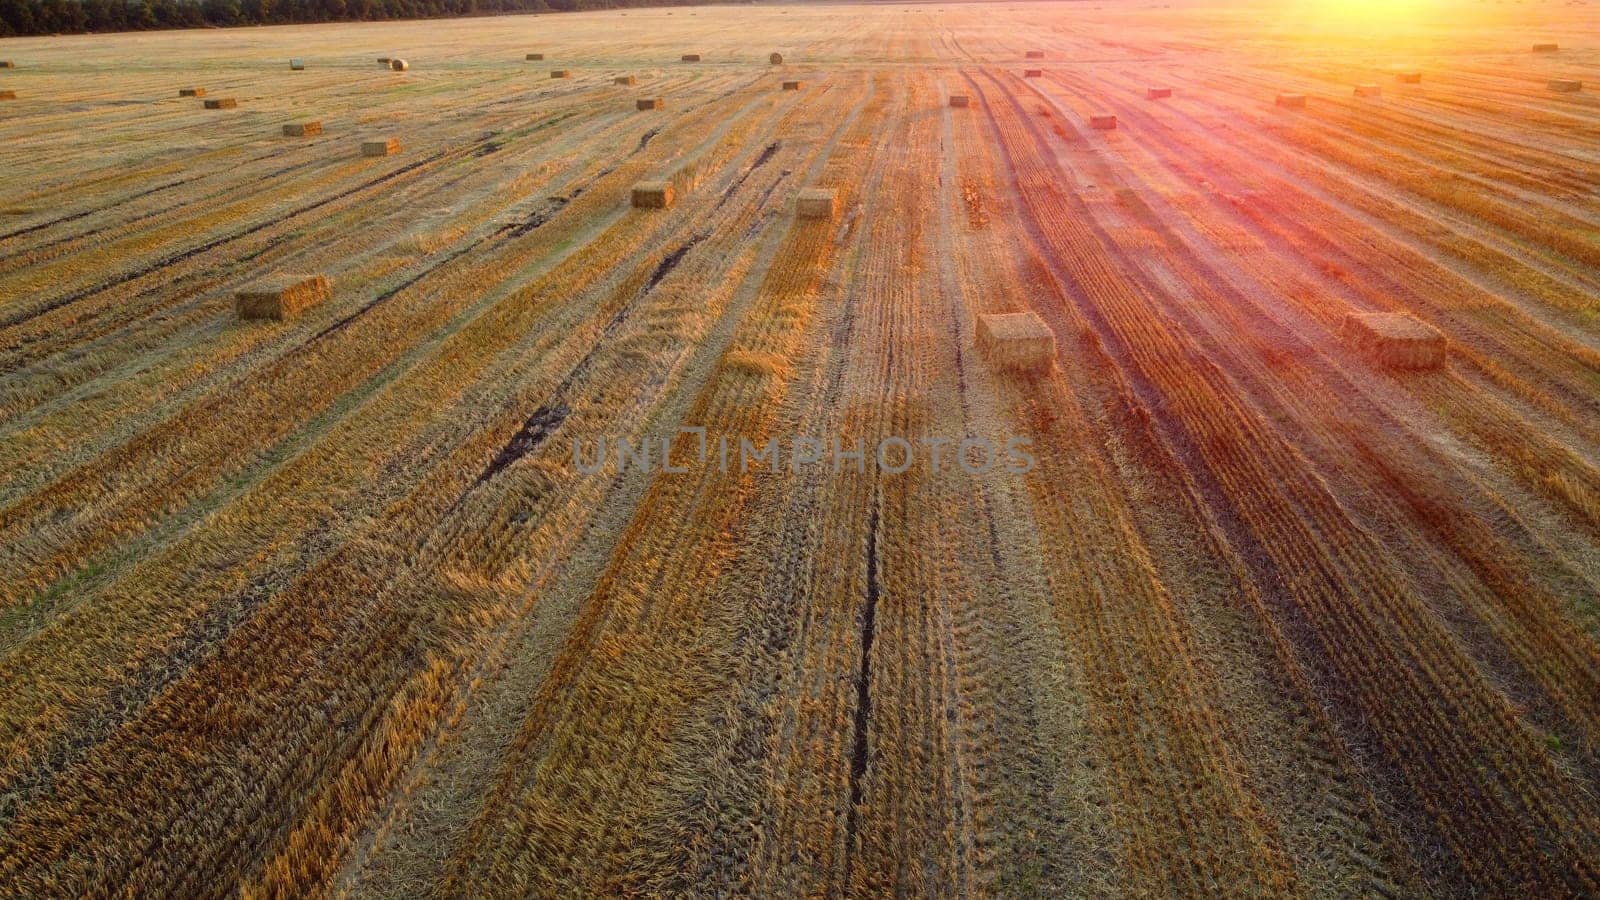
column 326, row 606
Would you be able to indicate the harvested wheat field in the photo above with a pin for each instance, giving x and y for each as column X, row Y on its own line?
column 1033, row 523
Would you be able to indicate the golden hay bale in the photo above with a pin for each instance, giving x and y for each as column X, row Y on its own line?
column 1396, row 340
column 1545, row 48
column 1409, row 77
column 7, row 64
column 775, row 59
column 649, row 103
column 1034, row 54
column 960, row 100
column 297, row 64
column 1292, row 101
column 1368, row 90
column 1033, row 73
column 399, row 65
column 625, row 79
column 560, row 73
column 691, row 57
column 793, row 85
column 191, row 92
column 534, row 57
column 302, row 129
column 8, row 95
column 1018, row 341
column 816, row 203
column 1156, row 93
column 384, row 61
column 1103, row 122
column 380, row 147
column 653, row 195
column 221, row 103
column 1565, row 86
column 282, row 296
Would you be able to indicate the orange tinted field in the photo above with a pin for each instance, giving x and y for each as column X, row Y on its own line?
column 327, row 607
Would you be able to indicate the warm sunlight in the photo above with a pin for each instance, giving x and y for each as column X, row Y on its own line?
column 799, row 448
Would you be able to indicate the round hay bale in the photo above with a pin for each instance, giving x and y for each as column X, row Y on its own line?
column 776, row 59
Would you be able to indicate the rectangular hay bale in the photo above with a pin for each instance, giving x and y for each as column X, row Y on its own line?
column 625, row 79
column 1105, row 122
column 1018, row 341
column 560, row 73
column 1033, row 73
column 381, row 147
column 960, row 101
column 793, row 85
column 222, row 103
column 534, row 57
column 649, row 103
column 1034, row 54
column 281, row 296
column 1292, row 101
column 816, row 203
column 302, row 129
column 1409, row 77
column 297, row 65
column 191, row 92
column 1156, row 93
column 1565, row 86
column 8, row 95
column 7, row 64
column 691, row 57
column 1368, row 90
column 653, row 195
column 1395, row 340
column 1545, row 48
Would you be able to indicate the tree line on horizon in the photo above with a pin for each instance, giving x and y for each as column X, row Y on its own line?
column 35, row 17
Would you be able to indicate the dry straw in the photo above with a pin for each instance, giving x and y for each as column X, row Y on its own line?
column 1395, row 340
column 816, row 203
column 653, row 195
column 1020, row 342
column 282, row 296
